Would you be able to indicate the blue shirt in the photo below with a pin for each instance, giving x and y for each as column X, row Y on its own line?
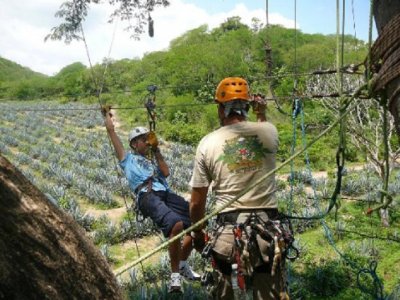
column 138, row 169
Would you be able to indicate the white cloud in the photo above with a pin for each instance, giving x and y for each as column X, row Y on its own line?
column 25, row 23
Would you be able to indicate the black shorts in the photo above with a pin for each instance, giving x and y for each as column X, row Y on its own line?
column 165, row 209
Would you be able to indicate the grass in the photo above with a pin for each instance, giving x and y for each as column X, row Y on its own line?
column 319, row 273
column 319, row 262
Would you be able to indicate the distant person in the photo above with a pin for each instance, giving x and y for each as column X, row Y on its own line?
column 248, row 241
column 147, row 179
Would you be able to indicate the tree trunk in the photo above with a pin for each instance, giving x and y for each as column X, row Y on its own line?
column 44, row 253
column 384, row 11
column 384, row 214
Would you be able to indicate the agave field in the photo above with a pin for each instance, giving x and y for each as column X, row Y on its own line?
column 64, row 150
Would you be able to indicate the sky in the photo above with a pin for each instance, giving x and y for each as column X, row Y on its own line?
column 25, row 23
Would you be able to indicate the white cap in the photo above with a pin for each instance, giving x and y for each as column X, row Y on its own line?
column 136, row 132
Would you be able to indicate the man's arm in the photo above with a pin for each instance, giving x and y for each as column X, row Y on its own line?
column 119, row 148
column 162, row 165
column 197, row 210
column 198, row 204
column 259, row 105
column 261, row 117
column 153, row 142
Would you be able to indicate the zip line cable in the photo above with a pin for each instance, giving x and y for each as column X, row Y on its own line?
column 289, row 97
column 302, row 97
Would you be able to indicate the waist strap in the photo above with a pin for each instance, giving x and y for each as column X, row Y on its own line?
column 242, row 216
column 148, row 183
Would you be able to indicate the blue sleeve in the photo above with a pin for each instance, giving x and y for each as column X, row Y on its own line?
column 123, row 162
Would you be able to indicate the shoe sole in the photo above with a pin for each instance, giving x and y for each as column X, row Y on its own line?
column 175, row 291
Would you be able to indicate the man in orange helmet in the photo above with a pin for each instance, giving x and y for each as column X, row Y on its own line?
column 243, row 244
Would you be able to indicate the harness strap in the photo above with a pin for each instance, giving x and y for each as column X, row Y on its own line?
column 233, row 217
column 237, row 232
column 148, row 182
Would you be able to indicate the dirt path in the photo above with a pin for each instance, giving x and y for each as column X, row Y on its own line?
column 144, row 244
column 114, row 214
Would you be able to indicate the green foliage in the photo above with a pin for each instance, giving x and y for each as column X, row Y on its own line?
column 70, row 79
column 327, row 279
column 182, row 132
column 11, row 71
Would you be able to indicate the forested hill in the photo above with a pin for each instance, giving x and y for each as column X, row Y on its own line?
column 11, row 71
column 198, row 57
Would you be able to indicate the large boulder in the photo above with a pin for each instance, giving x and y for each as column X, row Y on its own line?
column 44, row 253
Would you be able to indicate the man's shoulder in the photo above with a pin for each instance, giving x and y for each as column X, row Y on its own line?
column 215, row 136
column 134, row 158
column 267, row 127
column 260, row 124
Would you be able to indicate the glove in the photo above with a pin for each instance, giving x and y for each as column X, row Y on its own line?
column 198, row 240
column 152, row 140
column 105, row 109
column 259, row 104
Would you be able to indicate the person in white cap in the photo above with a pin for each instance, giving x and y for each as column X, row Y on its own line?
column 147, row 179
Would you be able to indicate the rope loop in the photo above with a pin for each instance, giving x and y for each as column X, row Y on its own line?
column 377, row 290
column 297, row 108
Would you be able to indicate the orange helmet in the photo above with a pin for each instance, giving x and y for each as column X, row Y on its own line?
column 232, row 88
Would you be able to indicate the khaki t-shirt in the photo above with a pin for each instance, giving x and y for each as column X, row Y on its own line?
column 235, row 156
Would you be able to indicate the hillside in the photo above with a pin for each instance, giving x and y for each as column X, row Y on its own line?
column 11, row 71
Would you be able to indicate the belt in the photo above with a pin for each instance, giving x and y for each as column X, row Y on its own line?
column 241, row 216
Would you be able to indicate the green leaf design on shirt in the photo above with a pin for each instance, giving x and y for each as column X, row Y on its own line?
column 243, row 152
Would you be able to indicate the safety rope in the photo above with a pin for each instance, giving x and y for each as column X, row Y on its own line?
column 302, row 96
column 99, row 90
column 295, row 112
column 269, row 65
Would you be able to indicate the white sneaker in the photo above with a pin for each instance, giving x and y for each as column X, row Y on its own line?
column 175, row 283
column 187, row 272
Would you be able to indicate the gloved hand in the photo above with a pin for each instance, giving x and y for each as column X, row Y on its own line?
column 152, row 140
column 106, row 109
column 258, row 103
column 108, row 122
column 198, row 240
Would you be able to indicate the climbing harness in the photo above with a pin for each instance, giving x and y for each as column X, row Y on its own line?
column 244, row 242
